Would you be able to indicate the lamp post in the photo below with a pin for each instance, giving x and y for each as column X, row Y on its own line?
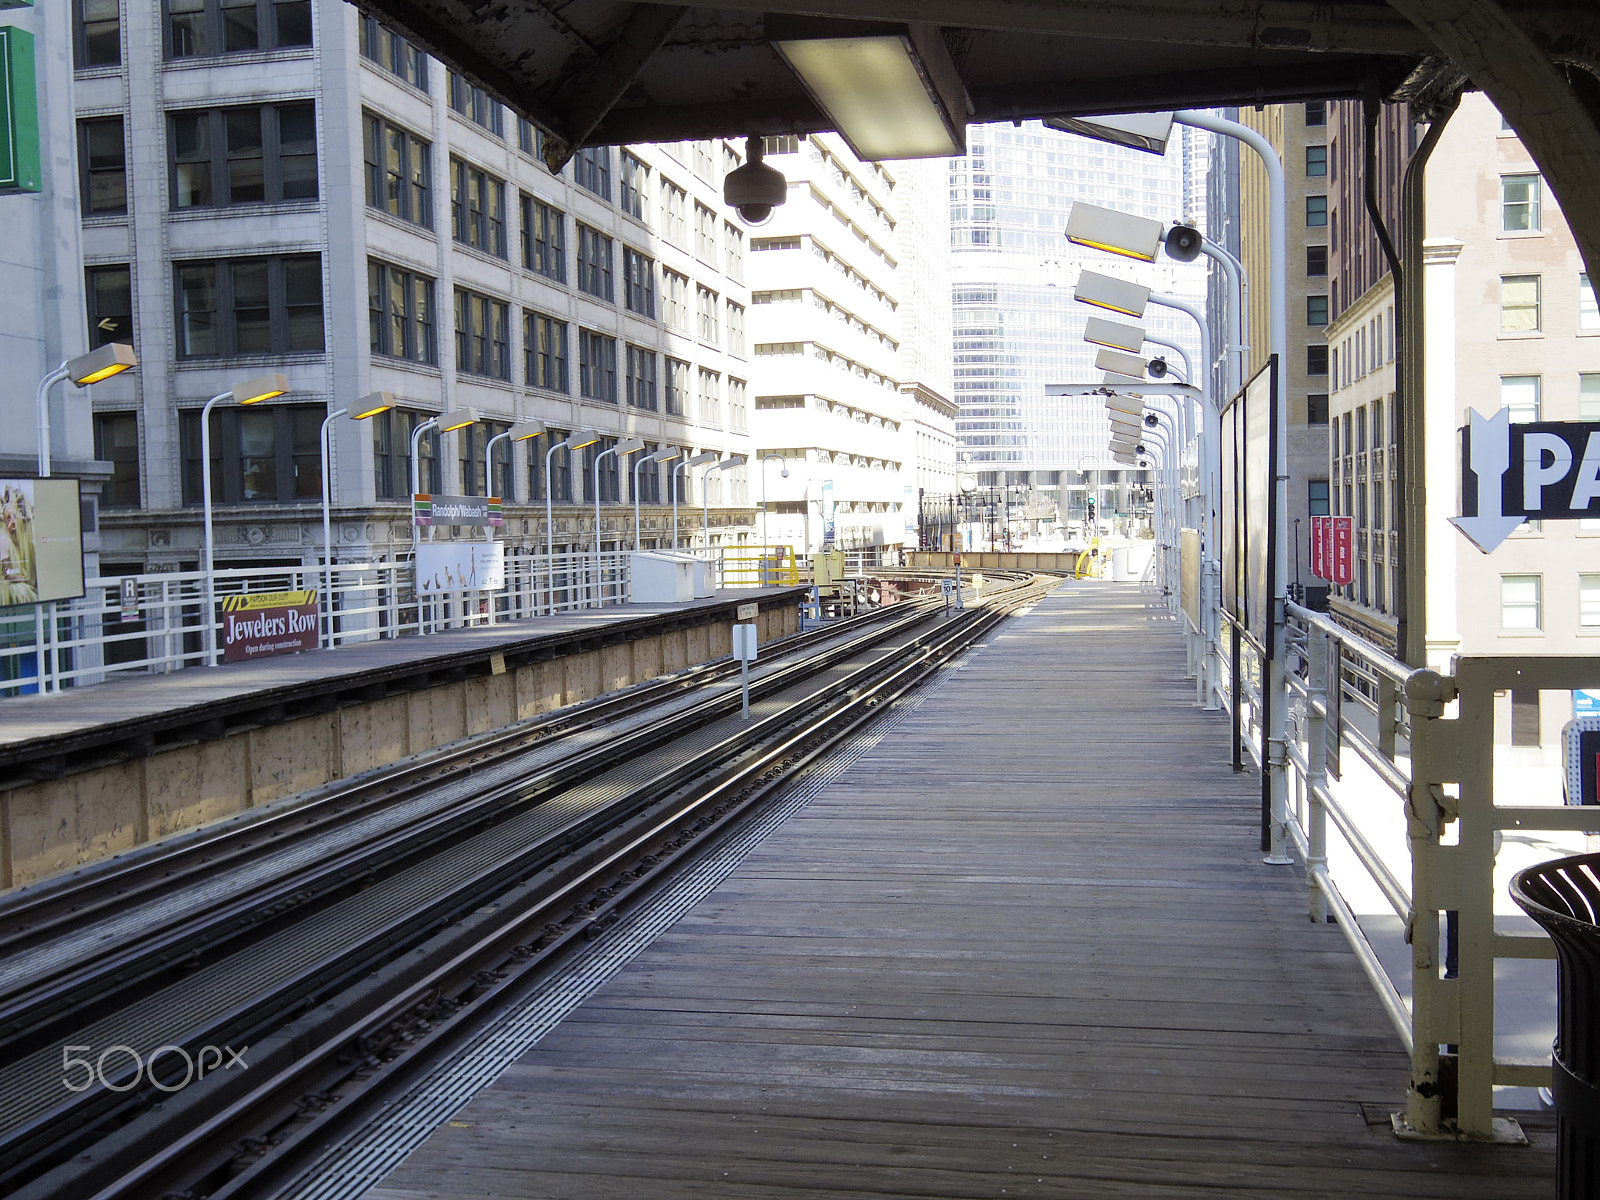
column 627, row 446
column 663, row 455
column 699, row 460
column 368, row 406
column 445, row 422
column 522, row 431
column 576, row 440
column 765, row 459
column 251, row 391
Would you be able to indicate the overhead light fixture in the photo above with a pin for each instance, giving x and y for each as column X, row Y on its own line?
column 579, row 438
column 263, row 387
column 1115, row 335
column 890, row 88
column 1128, row 404
column 665, row 454
column 1131, row 365
column 372, row 404
column 733, row 460
column 111, row 359
column 630, row 445
column 525, row 431
column 1116, row 379
column 701, row 459
column 458, row 418
column 1114, row 231
column 1149, row 132
column 1109, row 292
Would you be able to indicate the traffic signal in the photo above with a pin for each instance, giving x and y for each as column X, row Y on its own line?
column 1091, row 508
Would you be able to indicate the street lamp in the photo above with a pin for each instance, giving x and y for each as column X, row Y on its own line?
column 445, row 422
column 576, row 440
column 665, row 454
column 630, row 445
column 110, row 359
column 522, row 431
column 368, row 406
column 251, row 391
column 699, row 460
column 728, row 464
column 765, row 459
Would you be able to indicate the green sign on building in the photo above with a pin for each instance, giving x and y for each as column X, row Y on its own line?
column 19, row 113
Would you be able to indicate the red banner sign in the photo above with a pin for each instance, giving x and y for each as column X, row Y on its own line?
column 1333, row 549
column 274, row 623
column 1319, row 547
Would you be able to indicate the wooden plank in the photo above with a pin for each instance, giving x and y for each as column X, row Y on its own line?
column 1025, row 947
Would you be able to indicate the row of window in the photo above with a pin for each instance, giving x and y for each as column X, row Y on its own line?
column 1522, row 603
column 194, row 28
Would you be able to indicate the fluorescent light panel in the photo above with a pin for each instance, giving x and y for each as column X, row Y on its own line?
column 1114, row 335
column 1149, row 132
column 1111, row 293
column 1123, row 364
column 1114, row 231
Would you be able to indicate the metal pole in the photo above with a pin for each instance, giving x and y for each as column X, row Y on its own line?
column 549, row 524
column 416, row 533
column 327, row 524
column 42, row 406
column 636, row 531
column 205, row 498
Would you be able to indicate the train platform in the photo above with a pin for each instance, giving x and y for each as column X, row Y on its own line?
column 1018, row 940
column 93, row 771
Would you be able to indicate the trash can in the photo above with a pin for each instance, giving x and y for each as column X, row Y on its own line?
column 1564, row 896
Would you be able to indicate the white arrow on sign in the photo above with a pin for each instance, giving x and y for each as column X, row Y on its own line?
column 1489, row 447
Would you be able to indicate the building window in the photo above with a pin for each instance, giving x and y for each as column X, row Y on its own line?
column 594, row 264
column 1519, row 304
column 635, row 186
column 98, row 40
column 710, row 398
column 705, row 234
column 607, row 470
column 1588, row 310
column 102, row 166
column 109, row 291
column 400, row 313
column 1519, row 203
column 1520, row 393
column 264, row 454
column 391, row 455
column 706, row 308
column 249, row 306
column 1316, row 160
column 116, row 441
column 677, row 389
column 471, row 444
column 560, row 469
column 597, row 366
column 1519, row 603
column 1316, row 360
column 483, row 344
column 544, row 239
column 638, row 283
column 197, row 28
column 736, row 329
column 1589, row 397
column 398, row 175
column 263, row 155
column 674, row 214
column 1317, row 408
column 1316, row 261
column 1317, row 112
column 1316, row 310
column 1589, row 601
column 733, row 251
column 1316, row 210
column 474, row 104
column 392, row 52
column 591, row 169
column 477, row 209
column 641, row 378
column 738, row 405
column 545, row 350
column 676, row 288
column 1317, row 497
column 648, row 479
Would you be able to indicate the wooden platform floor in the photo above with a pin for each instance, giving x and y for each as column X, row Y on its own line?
column 1025, row 947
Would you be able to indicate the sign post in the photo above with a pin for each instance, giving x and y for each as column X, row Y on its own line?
column 744, row 649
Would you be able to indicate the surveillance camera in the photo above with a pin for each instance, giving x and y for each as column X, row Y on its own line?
column 754, row 189
column 1157, row 368
column 1183, row 243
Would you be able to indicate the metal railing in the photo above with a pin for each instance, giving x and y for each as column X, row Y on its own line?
column 84, row 641
column 1368, row 732
column 760, row 566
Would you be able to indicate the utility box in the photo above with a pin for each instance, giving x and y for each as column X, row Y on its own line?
column 701, row 571
column 663, row 578
column 827, row 569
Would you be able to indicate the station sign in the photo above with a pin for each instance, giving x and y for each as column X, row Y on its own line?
column 480, row 512
column 265, row 623
column 1332, row 549
column 1525, row 471
column 20, row 157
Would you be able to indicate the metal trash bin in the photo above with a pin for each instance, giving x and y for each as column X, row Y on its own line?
column 1563, row 895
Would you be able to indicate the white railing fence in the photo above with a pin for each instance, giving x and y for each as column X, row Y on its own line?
column 1402, row 762
column 87, row 640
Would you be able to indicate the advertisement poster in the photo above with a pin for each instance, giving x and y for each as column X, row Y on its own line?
column 41, row 541
column 480, row 512
column 266, row 623
column 460, row 567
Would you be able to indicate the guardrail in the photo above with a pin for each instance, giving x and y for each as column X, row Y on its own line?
column 84, row 641
column 760, row 566
column 1365, row 727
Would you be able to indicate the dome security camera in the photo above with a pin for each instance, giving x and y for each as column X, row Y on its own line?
column 1183, row 243
column 754, row 189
